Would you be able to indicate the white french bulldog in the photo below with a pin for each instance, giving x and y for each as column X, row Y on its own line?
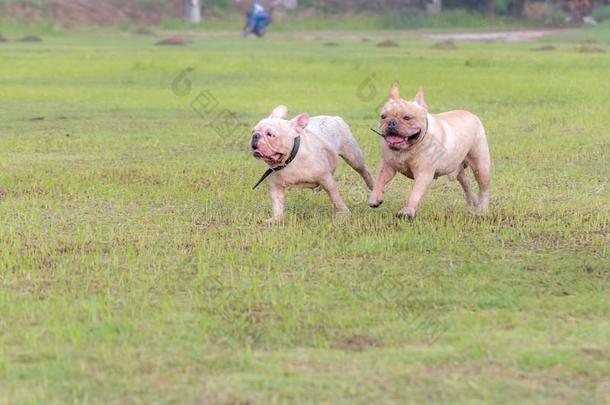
column 303, row 152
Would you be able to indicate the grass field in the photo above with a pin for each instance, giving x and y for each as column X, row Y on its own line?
column 136, row 266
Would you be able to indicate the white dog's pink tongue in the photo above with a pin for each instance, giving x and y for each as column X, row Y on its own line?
column 394, row 139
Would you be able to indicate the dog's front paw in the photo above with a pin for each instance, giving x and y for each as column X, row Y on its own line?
column 375, row 201
column 342, row 215
column 274, row 220
column 342, row 211
column 406, row 213
column 480, row 211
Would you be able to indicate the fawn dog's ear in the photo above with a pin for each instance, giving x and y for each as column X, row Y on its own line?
column 420, row 98
column 395, row 91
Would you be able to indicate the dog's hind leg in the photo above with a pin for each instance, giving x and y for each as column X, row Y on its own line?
column 483, row 175
column 480, row 163
column 470, row 197
column 351, row 153
column 329, row 184
column 349, row 150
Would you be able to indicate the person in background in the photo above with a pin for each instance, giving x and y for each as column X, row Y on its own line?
column 257, row 18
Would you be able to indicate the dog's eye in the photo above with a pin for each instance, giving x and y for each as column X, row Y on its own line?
column 383, row 117
column 268, row 133
column 406, row 118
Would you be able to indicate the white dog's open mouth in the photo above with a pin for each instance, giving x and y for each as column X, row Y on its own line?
column 275, row 158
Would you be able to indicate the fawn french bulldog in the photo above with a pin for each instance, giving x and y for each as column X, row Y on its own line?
column 424, row 146
column 302, row 152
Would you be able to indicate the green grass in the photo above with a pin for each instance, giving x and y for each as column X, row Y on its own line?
column 135, row 265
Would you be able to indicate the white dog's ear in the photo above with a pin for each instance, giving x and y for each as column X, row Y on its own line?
column 420, row 98
column 395, row 91
column 300, row 122
column 279, row 112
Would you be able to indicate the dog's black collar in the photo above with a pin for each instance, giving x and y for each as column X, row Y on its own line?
column 293, row 154
column 411, row 138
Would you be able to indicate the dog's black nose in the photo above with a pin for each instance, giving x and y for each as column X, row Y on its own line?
column 392, row 123
column 255, row 138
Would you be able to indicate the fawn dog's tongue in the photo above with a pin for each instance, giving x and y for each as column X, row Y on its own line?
column 394, row 139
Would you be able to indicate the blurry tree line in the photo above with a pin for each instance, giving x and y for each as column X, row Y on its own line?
column 507, row 7
column 536, row 9
column 554, row 12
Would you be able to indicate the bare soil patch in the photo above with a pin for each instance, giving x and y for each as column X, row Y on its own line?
column 358, row 343
column 502, row 36
column 506, row 36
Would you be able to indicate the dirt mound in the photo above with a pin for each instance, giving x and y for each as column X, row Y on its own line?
column 144, row 32
column 446, row 45
column 387, row 44
column 70, row 13
column 590, row 49
column 30, row 38
column 174, row 41
column 545, row 48
column 3, row 39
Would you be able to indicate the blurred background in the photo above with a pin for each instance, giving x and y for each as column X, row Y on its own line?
column 308, row 14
